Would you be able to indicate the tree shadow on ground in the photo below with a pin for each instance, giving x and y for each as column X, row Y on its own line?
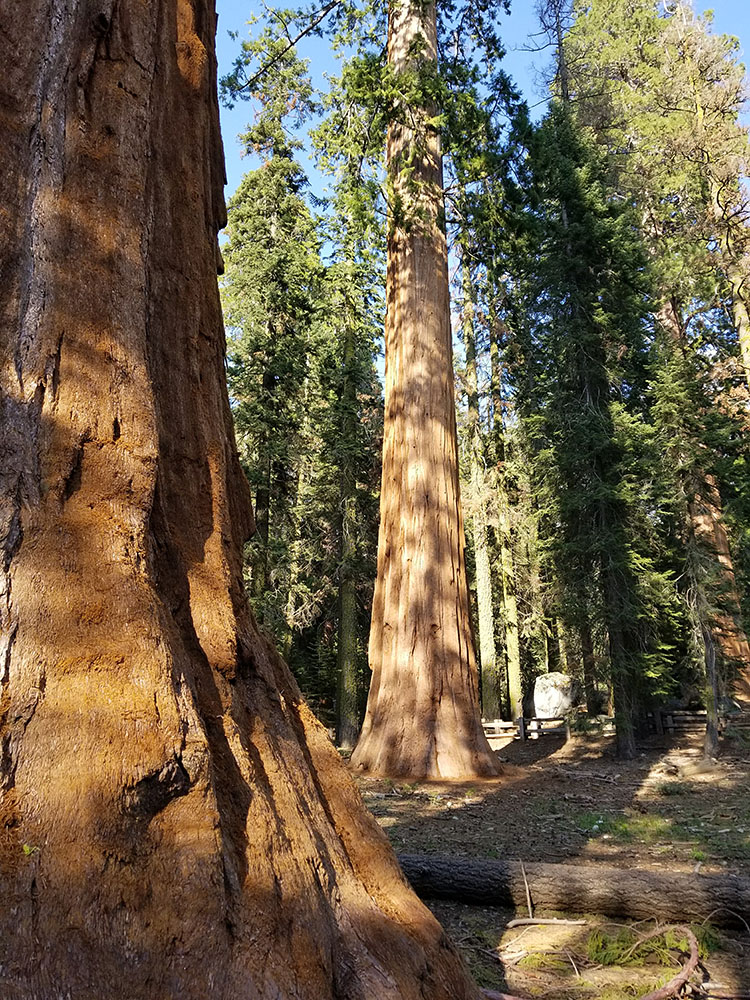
column 576, row 803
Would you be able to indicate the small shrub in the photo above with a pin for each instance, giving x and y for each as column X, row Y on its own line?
column 672, row 788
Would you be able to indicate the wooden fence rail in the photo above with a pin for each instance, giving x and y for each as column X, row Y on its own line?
column 660, row 721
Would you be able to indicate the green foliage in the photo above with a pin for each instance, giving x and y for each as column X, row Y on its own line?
column 669, row 788
column 302, row 304
column 598, row 426
column 628, row 947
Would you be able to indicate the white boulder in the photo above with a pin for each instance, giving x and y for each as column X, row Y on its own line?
column 554, row 695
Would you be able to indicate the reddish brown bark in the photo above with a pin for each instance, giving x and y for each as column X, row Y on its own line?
column 423, row 716
column 173, row 821
column 707, row 527
column 709, row 530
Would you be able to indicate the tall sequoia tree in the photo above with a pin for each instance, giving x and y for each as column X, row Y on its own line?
column 423, row 717
column 172, row 816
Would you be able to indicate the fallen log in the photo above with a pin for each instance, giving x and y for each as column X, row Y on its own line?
column 638, row 894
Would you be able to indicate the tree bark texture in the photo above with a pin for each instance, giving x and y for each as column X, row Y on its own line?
column 173, row 821
column 574, row 888
column 423, row 718
column 707, row 526
column 510, row 605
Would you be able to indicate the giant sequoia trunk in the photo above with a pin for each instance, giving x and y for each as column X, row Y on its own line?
column 423, row 709
column 174, row 822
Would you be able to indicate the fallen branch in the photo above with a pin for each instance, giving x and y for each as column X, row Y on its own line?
column 672, row 988
column 494, row 995
column 533, row 921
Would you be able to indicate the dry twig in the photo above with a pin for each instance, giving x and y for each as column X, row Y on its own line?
column 531, row 921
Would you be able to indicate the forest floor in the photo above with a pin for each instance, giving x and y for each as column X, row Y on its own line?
column 575, row 803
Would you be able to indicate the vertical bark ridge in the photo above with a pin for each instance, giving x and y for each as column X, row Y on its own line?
column 171, row 816
column 423, row 710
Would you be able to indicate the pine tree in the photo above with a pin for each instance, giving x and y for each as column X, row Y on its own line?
column 587, row 315
column 664, row 97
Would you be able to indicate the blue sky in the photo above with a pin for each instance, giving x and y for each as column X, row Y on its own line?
column 730, row 16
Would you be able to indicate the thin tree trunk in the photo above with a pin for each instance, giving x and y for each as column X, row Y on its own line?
column 423, row 717
column 711, row 743
column 295, row 554
column 512, row 647
column 505, row 538
column 485, row 611
column 347, row 708
column 589, row 667
column 263, row 509
column 173, row 821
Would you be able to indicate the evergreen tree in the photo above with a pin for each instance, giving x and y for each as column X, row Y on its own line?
column 664, row 98
column 586, row 310
column 306, row 399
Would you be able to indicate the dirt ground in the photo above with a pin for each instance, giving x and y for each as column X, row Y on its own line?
column 573, row 802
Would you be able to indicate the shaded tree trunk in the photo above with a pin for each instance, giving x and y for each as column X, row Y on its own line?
column 589, row 667
column 422, row 715
column 491, row 682
column 622, row 644
column 347, row 707
column 706, row 526
column 505, row 539
column 711, row 742
column 173, row 821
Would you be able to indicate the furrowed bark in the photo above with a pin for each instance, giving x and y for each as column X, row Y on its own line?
column 173, row 821
column 705, row 524
column 423, row 718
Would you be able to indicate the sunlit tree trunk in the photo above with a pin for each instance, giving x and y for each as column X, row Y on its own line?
column 262, row 510
column 174, row 823
column 423, row 716
column 301, row 497
column 706, row 526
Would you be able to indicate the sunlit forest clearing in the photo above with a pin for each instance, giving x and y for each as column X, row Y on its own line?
column 381, row 532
